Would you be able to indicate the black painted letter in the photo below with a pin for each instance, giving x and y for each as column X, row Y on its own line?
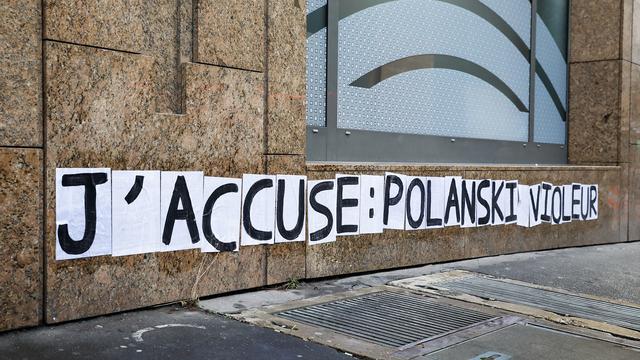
column 343, row 203
column 388, row 200
column 483, row 202
column 89, row 181
column 468, row 202
column 415, row 223
column 246, row 211
column 512, row 186
column 180, row 195
column 206, row 218
column 316, row 206
column 431, row 222
column 452, row 202
column 297, row 229
column 495, row 207
column 546, row 217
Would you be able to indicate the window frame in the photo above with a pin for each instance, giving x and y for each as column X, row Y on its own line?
column 330, row 143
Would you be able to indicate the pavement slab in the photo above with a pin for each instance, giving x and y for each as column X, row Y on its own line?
column 526, row 342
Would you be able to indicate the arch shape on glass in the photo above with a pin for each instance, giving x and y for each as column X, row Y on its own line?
column 437, row 61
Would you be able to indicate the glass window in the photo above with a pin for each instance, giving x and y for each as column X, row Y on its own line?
column 316, row 62
column 551, row 71
column 437, row 80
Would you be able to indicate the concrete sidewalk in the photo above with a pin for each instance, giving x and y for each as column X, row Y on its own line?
column 610, row 271
column 176, row 332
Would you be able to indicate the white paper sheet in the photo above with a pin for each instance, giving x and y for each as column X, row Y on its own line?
column 434, row 208
column 575, row 201
column 536, row 205
column 321, row 198
column 416, row 198
column 221, row 207
column 348, row 214
column 453, row 194
column 584, row 202
column 524, row 204
column 70, row 214
column 181, row 238
column 468, row 203
column 258, row 214
column 483, row 207
column 556, row 205
column 594, row 196
column 395, row 212
column 501, row 203
column 293, row 208
column 566, row 204
column 136, row 212
column 510, row 202
column 371, row 204
column 546, row 195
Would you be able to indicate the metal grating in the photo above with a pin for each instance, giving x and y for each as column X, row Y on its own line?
column 559, row 303
column 387, row 318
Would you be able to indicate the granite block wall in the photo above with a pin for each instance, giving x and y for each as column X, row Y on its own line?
column 21, row 237
column 181, row 85
column 21, row 164
column 409, row 248
column 219, row 86
column 633, row 165
column 604, row 96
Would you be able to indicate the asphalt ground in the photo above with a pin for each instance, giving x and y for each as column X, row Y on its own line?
column 162, row 333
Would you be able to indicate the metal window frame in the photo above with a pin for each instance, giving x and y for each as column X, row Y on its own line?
column 331, row 143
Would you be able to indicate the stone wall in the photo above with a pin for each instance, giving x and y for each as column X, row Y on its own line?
column 219, row 86
column 21, row 164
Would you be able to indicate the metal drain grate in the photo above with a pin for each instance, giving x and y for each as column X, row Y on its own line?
column 387, row 318
column 559, row 303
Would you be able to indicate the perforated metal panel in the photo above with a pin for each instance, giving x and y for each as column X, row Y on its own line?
column 388, row 318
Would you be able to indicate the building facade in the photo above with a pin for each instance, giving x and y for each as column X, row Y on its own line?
column 287, row 87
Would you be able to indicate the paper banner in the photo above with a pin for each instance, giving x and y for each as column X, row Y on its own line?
column 321, row 206
column 220, row 229
column 83, row 212
column 147, row 211
column 136, row 212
